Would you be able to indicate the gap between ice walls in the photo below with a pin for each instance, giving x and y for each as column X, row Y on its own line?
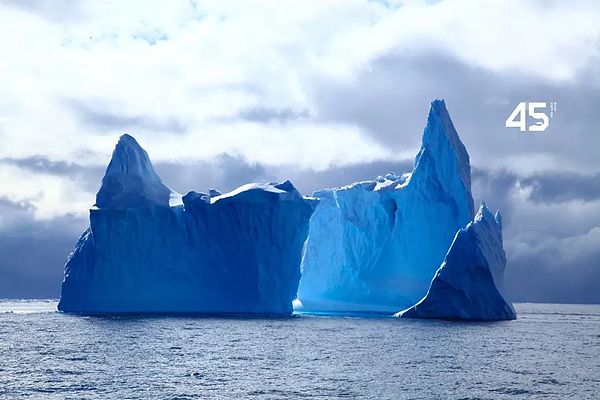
column 408, row 242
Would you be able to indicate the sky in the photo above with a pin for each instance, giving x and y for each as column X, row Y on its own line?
column 324, row 93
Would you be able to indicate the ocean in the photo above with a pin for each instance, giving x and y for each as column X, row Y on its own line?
column 551, row 351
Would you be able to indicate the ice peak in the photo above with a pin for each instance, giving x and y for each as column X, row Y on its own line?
column 440, row 130
column 130, row 158
column 126, row 137
column 485, row 216
column 130, row 179
column 439, row 106
column 484, row 213
column 443, row 156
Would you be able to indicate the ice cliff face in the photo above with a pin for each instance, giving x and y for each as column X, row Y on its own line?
column 374, row 246
column 469, row 283
column 144, row 251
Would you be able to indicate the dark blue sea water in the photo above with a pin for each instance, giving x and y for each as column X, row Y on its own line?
column 550, row 352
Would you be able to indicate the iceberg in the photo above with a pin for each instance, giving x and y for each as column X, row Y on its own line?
column 469, row 283
column 374, row 246
column 150, row 250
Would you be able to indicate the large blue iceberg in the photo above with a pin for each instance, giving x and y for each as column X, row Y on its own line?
column 469, row 283
column 148, row 249
column 374, row 246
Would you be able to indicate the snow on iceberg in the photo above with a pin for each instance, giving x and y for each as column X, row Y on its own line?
column 374, row 246
column 150, row 250
column 469, row 283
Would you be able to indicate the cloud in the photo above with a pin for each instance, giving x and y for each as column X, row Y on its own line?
column 263, row 114
column 551, row 240
column 553, row 269
column 167, row 70
column 33, row 251
column 562, row 187
column 227, row 173
column 390, row 98
column 534, row 205
column 49, row 195
column 31, row 262
column 107, row 118
column 44, row 165
column 515, row 40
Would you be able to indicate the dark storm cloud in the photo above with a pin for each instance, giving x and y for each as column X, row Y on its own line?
column 544, row 276
column 563, row 187
column 31, row 266
column 17, row 220
column 32, row 252
column 495, row 188
column 544, row 187
column 548, row 271
column 102, row 118
column 526, row 213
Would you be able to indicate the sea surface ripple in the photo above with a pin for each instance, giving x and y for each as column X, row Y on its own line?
column 550, row 352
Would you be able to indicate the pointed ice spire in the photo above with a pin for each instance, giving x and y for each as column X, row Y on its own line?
column 493, row 220
column 486, row 220
column 443, row 158
column 130, row 179
column 484, row 213
column 130, row 158
column 439, row 134
column 440, row 126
